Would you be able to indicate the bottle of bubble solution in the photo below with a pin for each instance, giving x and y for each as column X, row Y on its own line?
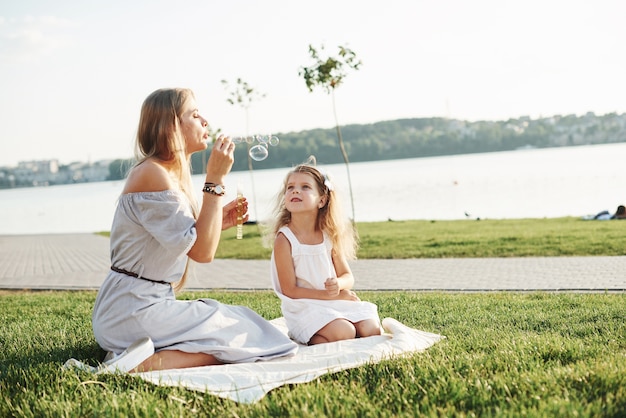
column 239, row 213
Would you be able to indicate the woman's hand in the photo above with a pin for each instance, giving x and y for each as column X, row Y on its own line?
column 229, row 213
column 220, row 160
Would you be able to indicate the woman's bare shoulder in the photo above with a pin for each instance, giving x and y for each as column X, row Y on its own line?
column 149, row 176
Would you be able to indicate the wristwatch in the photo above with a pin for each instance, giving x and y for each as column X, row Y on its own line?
column 216, row 189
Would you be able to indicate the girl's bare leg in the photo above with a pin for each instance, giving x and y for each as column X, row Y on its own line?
column 367, row 328
column 339, row 329
column 175, row 359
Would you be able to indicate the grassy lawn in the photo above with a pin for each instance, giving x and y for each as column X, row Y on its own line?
column 550, row 237
column 484, row 238
column 536, row 354
column 506, row 354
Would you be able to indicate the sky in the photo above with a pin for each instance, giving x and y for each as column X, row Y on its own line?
column 73, row 74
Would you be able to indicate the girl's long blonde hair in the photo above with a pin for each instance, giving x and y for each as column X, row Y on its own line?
column 330, row 219
column 159, row 137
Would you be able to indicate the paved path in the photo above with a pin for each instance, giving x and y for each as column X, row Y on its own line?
column 81, row 261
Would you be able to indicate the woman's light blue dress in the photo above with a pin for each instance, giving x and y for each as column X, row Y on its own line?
column 150, row 236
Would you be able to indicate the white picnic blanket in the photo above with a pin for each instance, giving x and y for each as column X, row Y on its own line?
column 249, row 382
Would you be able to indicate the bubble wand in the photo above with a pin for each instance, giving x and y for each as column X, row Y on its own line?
column 239, row 212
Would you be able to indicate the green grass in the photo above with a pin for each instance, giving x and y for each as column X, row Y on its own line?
column 552, row 237
column 484, row 238
column 506, row 354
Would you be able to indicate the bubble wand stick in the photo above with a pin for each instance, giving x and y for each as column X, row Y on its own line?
column 239, row 212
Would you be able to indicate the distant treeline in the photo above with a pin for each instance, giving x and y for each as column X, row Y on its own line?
column 426, row 137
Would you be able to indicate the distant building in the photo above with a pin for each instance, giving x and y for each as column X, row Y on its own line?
column 89, row 172
column 49, row 172
column 36, row 173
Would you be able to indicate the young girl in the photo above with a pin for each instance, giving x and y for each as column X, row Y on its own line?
column 309, row 267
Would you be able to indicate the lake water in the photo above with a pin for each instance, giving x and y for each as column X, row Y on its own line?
column 535, row 183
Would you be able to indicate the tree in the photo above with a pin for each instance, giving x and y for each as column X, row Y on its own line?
column 328, row 74
column 119, row 168
column 242, row 95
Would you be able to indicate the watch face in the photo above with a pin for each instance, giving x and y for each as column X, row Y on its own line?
column 216, row 189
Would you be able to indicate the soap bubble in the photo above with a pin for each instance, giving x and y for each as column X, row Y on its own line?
column 258, row 152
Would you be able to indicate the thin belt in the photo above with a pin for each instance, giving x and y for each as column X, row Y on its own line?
column 131, row 274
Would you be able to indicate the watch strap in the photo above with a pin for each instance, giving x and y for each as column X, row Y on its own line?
column 215, row 189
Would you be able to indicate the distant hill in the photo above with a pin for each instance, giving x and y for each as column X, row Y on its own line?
column 427, row 137
column 387, row 140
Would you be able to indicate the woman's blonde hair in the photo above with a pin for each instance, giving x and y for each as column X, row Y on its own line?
column 159, row 136
column 330, row 219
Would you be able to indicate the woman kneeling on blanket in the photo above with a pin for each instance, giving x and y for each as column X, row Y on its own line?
column 157, row 227
column 309, row 268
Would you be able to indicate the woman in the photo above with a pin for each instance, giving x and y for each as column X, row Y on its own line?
column 158, row 225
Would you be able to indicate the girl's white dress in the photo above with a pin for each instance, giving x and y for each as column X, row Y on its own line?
column 313, row 264
column 150, row 236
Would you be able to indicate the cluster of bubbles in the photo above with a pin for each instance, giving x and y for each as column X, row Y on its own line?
column 260, row 151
